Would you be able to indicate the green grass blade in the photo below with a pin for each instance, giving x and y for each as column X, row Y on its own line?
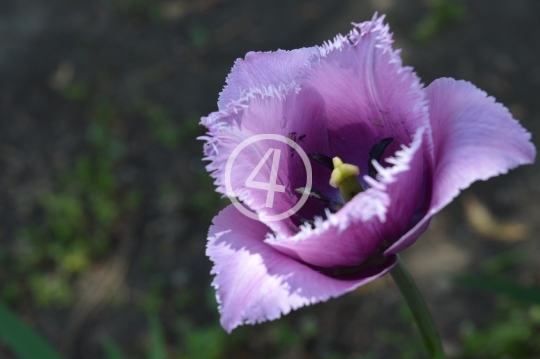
column 157, row 346
column 112, row 350
column 527, row 294
column 21, row 340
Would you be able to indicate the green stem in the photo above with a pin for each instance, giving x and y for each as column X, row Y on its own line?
column 419, row 310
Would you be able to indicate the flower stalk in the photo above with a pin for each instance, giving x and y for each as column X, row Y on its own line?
column 419, row 310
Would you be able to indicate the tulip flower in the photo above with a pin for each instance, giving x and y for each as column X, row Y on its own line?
column 384, row 155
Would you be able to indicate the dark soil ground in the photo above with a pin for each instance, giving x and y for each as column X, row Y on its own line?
column 99, row 105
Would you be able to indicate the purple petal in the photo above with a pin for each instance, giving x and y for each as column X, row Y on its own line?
column 254, row 282
column 296, row 114
column 261, row 70
column 474, row 138
column 405, row 184
column 369, row 95
column 381, row 213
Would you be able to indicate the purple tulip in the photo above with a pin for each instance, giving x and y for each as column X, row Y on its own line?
column 351, row 98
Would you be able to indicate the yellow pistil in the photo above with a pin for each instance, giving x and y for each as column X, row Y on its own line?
column 344, row 177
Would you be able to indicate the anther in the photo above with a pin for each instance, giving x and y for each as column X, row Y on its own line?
column 333, row 206
column 322, row 160
column 313, row 193
column 308, row 222
column 375, row 154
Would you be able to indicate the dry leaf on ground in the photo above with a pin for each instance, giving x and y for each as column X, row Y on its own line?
column 485, row 224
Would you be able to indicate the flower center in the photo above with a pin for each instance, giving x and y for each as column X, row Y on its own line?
column 344, row 177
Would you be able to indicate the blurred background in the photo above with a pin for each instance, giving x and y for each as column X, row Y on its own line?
column 105, row 203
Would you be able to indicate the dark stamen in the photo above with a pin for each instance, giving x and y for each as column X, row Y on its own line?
column 375, row 154
column 315, row 194
column 307, row 221
column 333, row 206
column 322, row 160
